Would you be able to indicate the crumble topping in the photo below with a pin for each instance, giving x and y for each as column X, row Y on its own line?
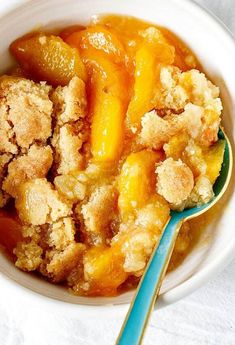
column 99, row 210
column 138, row 236
column 35, row 164
column 157, row 131
column 4, row 160
column 61, row 263
column 26, row 110
column 29, row 256
column 69, row 108
column 174, row 181
column 61, row 233
column 67, row 144
column 194, row 97
column 202, row 192
column 137, row 251
column 70, row 102
column 37, row 202
column 70, row 187
column 81, row 224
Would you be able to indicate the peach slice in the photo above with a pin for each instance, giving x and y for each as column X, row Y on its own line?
column 137, row 181
column 48, row 58
column 107, row 106
column 103, row 269
column 102, row 53
column 10, row 232
column 213, row 157
column 101, row 40
column 153, row 51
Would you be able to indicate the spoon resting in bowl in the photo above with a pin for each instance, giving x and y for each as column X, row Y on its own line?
column 137, row 318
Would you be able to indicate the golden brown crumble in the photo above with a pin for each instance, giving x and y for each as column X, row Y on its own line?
column 138, row 236
column 48, row 206
column 32, row 232
column 7, row 142
column 70, row 102
column 61, row 263
column 67, row 144
column 29, row 256
column 61, row 233
column 94, row 171
column 35, row 164
column 192, row 93
column 157, row 131
column 174, row 181
column 202, row 192
column 69, row 108
column 26, row 115
column 137, row 250
column 4, row 160
column 70, row 187
column 99, row 210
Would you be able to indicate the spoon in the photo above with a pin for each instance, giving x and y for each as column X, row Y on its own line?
column 135, row 323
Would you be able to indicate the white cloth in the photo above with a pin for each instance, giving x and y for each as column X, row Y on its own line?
column 207, row 317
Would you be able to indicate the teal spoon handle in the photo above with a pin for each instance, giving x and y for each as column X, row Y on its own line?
column 140, row 310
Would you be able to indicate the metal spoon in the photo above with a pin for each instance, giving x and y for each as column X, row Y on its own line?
column 137, row 318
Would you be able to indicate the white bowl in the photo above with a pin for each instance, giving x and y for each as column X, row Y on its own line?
column 215, row 48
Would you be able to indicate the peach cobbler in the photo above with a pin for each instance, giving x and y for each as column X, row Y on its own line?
column 103, row 130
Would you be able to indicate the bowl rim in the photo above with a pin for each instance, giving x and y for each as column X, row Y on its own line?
column 195, row 281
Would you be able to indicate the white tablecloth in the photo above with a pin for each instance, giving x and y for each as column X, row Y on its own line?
column 207, row 317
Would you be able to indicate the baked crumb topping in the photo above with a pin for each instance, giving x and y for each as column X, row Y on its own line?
column 35, row 164
column 29, row 256
column 118, row 132
column 70, row 103
column 174, row 181
column 99, row 210
column 19, row 96
column 38, row 203
column 4, row 160
column 195, row 97
column 61, row 263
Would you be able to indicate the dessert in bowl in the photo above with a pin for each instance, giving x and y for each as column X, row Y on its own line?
column 108, row 127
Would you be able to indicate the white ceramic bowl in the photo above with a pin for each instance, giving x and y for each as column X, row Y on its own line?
column 215, row 48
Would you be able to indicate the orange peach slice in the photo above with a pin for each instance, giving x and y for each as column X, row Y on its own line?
column 103, row 269
column 49, row 58
column 152, row 52
column 10, row 232
column 213, row 157
column 137, row 181
column 101, row 40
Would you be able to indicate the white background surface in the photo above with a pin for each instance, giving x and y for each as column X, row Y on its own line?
column 207, row 317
